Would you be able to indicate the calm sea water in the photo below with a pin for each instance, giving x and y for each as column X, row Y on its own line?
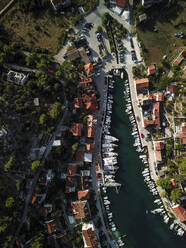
column 130, row 205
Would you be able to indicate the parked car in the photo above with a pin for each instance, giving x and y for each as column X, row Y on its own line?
column 131, row 43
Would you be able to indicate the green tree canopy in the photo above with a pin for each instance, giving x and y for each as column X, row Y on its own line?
column 43, row 119
column 55, row 111
column 175, row 195
column 164, row 183
column 9, row 202
column 9, row 164
column 35, row 165
column 182, row 167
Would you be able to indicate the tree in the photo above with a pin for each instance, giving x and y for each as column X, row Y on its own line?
column 55, row 111
column 9, row 164
column 175, row 195
column 182, row 167
column 99, row 29
column 164, row 183
column 43, row 119
column 9, row 202
column 35, row 165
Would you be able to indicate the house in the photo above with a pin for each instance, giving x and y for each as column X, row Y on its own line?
column 77, row 129
column 85, row 173
column 80, row 156
column 159, row 147
column 51, row 226
column 142, row 84
column 182, row 135
column 173, row 89
column 93, row 106
column 174, row 183
column 56, row 143
column 151, row 70
column 88, row 157
column 86, row 82
column 91, row 131
column 158, row 97
column 81, row 209
column 179, row 59
column 78, row 103
column 156, row 122
column 71, row 169
column 91, row 120
column 70, row 185
column 180, row 212
column 57, row 4
column 90, row 147
column 90, row 238
column 17, row 77
column 83, row 195
column 84, row 182
column 89, row 69
column 121, row 3
column 36, row 101
column 142, row 17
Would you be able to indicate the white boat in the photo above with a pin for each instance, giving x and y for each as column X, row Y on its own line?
column 172, row 226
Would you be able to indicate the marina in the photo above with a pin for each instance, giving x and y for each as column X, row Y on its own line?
column 138, row 196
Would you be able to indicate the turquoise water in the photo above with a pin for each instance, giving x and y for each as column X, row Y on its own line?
column 130, row 205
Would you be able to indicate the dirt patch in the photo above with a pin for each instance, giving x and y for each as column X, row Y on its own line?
column 31, row 31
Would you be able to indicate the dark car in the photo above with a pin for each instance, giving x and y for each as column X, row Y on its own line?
column 131, row 43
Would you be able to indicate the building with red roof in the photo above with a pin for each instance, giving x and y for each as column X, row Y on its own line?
column 156, row 122
column 159, row 146
column 173, row 89
column 121, row 3
column 77, row 129
column 51, row 226
column 142, row 83
column 80, row 156
column 159, row 97
column 89, row 235
column 78, row 103
column 174, row 183
column 85, row 82
column 83, row 195
column 151, row 70
column 180, row 212
column 90, row 147
column 179, row 59
column 91, row 131
column 182, row 135
column 91, row 106
column 80, row 209
column 70, row 185
column 72, row 169
column 89, row 69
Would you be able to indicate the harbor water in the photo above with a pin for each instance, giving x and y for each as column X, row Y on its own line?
column 131, row 207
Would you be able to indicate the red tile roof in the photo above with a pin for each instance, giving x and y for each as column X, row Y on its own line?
column 80, row 209
column 77, row 128
column 91, row 106
column 159, row 146
column 86, row 82
column 121, row 3
column 173, row 182
column 91, row 131
column 83, row 195
column 157, row 115
column 151, row 69
column 142, row 83
column 90, row 147
column 180, row 212
column 78, row 103
column 158, row 97
column 90, row 238
column 89, row 69
column 80, row 156
column 71, row 169
column 69, row 186
column 182, row 135
column 51, row 227
column 158, row 156
column 173, row 89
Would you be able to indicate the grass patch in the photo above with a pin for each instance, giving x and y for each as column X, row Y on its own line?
column 168, row 21
column 41, row 31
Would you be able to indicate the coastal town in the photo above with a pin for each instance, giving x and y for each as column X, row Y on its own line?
column 93, row 123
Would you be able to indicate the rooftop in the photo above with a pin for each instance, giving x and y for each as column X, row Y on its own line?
column 80, row 209
column 89, row 236
column 159, row 146
column 77, row 129
column 83, row 195
column 142, row 83
column 151, row 70
column 180, row 212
